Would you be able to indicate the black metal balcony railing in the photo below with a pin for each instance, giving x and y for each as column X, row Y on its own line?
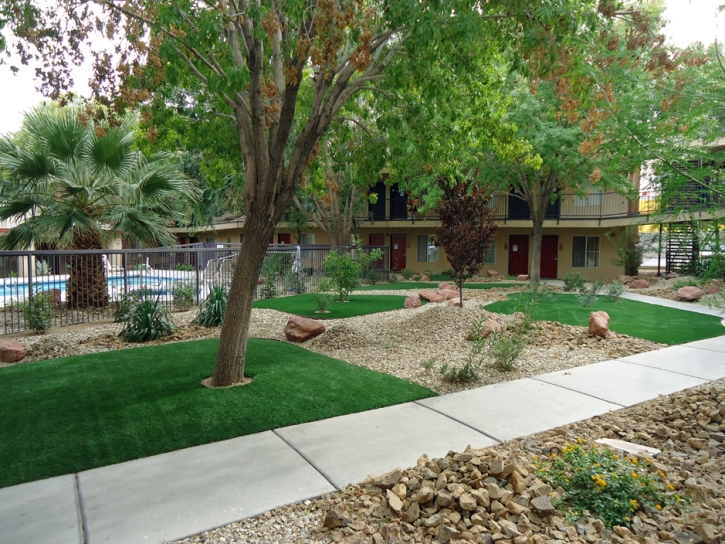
column 569, row 206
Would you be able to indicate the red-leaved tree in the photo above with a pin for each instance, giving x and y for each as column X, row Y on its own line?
column 468, row 227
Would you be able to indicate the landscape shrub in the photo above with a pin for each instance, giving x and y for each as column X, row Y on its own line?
column 372, row 276
column 468, row 371
column 184, row 267
column 42, row 268
column 183, row 295
column 269, row 289
column 38, row 311
column 407, row 273
column 126, row 302
column 275, row 264
column 345, row 271
column 609, row 487
column 589, row 296
column 505, row 349
column 211, row 313
column 323, row 297
column 299, row 285
column 538, row 292
column 148, row 320
column 615, row 290
column 450, row 273
column 574, row 281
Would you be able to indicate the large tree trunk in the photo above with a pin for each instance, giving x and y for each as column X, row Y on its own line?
column 231, row 356
column 87, row 283
column 538, row 212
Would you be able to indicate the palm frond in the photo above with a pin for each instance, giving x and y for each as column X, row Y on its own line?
column 59, row 130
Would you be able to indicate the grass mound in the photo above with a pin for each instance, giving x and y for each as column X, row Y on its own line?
column 657, row 323
column 66, row 415
column 403, row 285
column 358, row 305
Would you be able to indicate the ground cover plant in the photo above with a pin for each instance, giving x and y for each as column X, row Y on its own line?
column 65, row 415
column 308, row 305
column 657, row 323
column 431, row 285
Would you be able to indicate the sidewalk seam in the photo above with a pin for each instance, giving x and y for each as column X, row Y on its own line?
column 459, row 421
column 581, row 392
column 667, row 369
column 81, row 509
column 320, row 472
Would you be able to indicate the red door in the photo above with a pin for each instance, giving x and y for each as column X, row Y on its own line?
column 397, row 251
column 549, row 256
column 518, row 254
column 284, row 238
column 377, row 240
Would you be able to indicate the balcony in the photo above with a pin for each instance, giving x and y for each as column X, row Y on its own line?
column 568, row 207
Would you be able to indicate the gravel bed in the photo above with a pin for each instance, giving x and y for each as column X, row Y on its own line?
column 687, row 426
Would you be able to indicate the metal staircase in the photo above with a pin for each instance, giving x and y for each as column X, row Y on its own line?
column 682, row 250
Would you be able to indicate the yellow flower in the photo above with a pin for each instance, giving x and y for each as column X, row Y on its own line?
column 597, row 465
column 634, row 461
column 553, row 455
column 633, row 502
column 634, row 475
column 659, row 507
column 661, row 474
column 670, row 487
column 627, row 518
column 580, row 440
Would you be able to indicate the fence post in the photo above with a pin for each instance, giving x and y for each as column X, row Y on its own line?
column 198, row 285
column 125, row 276
column 30, row 276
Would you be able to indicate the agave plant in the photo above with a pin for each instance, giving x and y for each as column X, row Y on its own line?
column 77, row 184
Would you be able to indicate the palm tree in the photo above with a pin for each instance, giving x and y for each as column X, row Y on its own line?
column 76, row 184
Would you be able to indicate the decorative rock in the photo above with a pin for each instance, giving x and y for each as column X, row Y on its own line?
column 522, row 277
column 389, row 479
column 335, row 519
column 413, row 512
column 430, row 296
column 671, row 275
column 424, row 278
column 543, row 505
column 713, row 289
column 449, row 294
column 54, row 295
column 468, row 502
column 394, row 501
column 508, row 528
column 491, row 273
column 301, row 329
column 447, row 285
column 624, row 279
column 12, row 351
column 690, row 293
column 599, row 324
column 639, row 284
column 517, row 482
column 489, row 326
column 445, row 534
column 707, row 531
column 455, row 302
column 412, row 302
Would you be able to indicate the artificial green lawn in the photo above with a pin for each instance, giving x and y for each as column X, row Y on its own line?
column 431, row 285
column 66, row 415
column 657, row 323
column 357, row 305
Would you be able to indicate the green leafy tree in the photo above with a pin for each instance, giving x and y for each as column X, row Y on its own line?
column 281, row 71
column 73, row 183
column 345, row 270
column 468, row 227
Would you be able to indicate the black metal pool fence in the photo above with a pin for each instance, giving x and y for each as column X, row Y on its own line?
column 179, row 276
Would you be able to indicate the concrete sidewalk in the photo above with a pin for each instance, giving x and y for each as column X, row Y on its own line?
column 177, row 494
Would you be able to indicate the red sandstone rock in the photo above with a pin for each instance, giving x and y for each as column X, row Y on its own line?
column 690, row 294
column 12, row 351
column 301, row 329
column 639, row 284
column 599, row 324
column 491, row 273
column 624, row 279
column 412, row 302
column 522, row 277
column 430, row 296
column 712, row 290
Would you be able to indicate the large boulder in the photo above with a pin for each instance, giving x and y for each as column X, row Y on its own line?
column 431, row 296
column 489, row 326
column 412, row 302
column 301, row 329
column 671, row 275
column 449, row 294
column 424, row 278
column 713, row 289
column 491, row 273
column 690, row 293
column 639, row 284
column 447, row 285
column 599, row 324
column 12, row 351
column 522, row 277
column 456, row 301
column 624, row 279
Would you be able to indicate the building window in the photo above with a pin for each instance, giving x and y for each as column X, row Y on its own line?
column 491, row 255
column 307, row 240
column 585, row 253
column 427, row 251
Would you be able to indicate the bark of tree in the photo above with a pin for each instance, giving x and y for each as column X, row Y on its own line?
column 335, row 219
column 87, row 283
column 537, row 193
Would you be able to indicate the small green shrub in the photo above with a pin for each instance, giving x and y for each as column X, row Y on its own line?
column 346, row 270
column 407, row 273
column 679, row 283
column 524, row 306
column 148, row 320
column 615, row 290
column 468, row 371
column 323, row 297
column 538, row 292
column 269, row 289
column 587, row 297
column 38, row 312
column 373, row 276
column 211, row 313
column 122, row 307
column 450, row 273
column 574, row 281
column 428, row 364
column 184, row 267
column 609, row 487
column 183, row 296
column 42, row 268
column 505, row 350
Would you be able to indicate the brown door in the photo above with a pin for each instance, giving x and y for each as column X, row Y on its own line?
column 518, row 254
column 549, row 256
column 284, row 238
column 397, row 251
